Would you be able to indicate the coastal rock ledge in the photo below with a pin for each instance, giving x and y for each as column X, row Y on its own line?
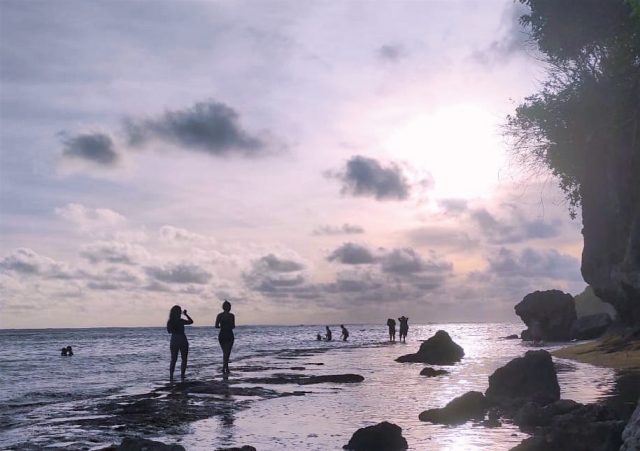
column 383, row 436
column 472, row 405
column 437, row 350
column 548, row 315
column 631, row 434
column 142, row 444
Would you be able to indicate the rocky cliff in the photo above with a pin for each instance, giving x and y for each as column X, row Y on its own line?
column 611, row 224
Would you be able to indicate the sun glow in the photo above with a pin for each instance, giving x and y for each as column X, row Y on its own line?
column 459, row 146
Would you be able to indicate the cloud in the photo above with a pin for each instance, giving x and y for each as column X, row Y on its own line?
column 26, row 261
column 352, row 254
column 437, row 236
column 114, row 252
column 366, row 177
column 344, row 229
column 519, row 229
column 272, row 263
column 529, row 262
column 210, row 127
column 178, row 235
column 87, row 219
column 391, row 52
column 181, row 273
column 407, row 261
column 95, row 148
column 454, row 207
column 273, row 275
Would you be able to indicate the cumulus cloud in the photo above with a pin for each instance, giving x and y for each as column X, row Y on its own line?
column 441, row 236
column 181, row 273
column 529, row 262
column 391, row 52
column 276, row 264
column 517, row 229
column 352, row 254
column 87, row 219
column 25, row 261
column 273, row 275
column 344, row 229
column 454, row 207
column 114, row 252
column 407, row 261
column 179, row 235
column 210, row 127
column 95, row 148
column 366, row 177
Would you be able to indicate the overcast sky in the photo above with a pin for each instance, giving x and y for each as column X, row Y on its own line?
column 312, row 162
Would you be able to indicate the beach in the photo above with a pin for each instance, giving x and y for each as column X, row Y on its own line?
column 116, row 385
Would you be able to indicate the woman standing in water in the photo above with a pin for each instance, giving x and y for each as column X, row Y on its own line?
column 179, row 342
column 226, row 322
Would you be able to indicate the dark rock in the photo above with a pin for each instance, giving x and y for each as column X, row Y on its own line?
column 243, row 448
column 511, row 337
column 525, row 335
column 548, row 315
column 631, row 434
column 141, row 444
column 333, row 378
column 529, row 378
column 470, row 406
column 437, row 350
column 431, row 372
column 592, row 326
column 380, row 437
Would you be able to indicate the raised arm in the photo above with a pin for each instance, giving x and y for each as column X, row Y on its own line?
column 188, row 320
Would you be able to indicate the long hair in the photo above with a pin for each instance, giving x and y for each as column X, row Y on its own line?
column 174, row 317
column 226, row 306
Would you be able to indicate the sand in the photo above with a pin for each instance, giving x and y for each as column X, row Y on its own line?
column 619, row 351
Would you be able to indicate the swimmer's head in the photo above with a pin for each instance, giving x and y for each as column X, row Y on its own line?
column 226, row 306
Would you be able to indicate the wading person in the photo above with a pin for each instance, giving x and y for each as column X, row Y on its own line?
column 345, row 333
column 391, row 323
column 226, row 322
column 404, row 328
column 179, row 342
column 328, row 336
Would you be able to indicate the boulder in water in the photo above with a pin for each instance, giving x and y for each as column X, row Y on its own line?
column 529, row 378
column 383, row 436
column 431, row 372
column 472, row 405
column 142, row 444
column 549, row 315
column 437, row 350
column 591, row 326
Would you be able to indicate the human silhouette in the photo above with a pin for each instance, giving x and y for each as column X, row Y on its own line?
column 179, row 342
column 392, row 329
column 63, row 352
column 226, row 322
column 328, row 336
column 69, row 351
column 319, row 337
column 404, row 328
column 345, row 333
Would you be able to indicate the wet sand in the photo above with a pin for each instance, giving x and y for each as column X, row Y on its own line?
column 617, row 351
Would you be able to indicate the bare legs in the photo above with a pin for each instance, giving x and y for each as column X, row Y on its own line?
column 226, row 353
column 172, row 365
column 178, row 345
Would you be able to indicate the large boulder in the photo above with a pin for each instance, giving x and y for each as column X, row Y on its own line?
column 472, row 405
column 591, row 326
column 142, row 444
column 437, row 350
column 529, row 378
column 549, row 314
column 631, row 434
column 432, row 372
column 383, row 436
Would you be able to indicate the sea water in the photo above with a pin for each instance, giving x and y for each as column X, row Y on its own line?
column 42, row 393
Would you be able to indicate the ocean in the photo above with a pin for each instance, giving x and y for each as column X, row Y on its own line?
column 53, row 402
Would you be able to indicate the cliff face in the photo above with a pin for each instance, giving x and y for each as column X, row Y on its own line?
column 611, row 225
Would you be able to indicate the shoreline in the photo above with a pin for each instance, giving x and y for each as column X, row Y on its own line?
column 616, row 351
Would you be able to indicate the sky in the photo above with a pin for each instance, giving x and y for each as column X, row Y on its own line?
column 313, row 162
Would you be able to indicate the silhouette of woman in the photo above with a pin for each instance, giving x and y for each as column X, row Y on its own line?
column 226, row 322
column 404, row 328
column 179, row 342
column 328, row 336
column 392, row 329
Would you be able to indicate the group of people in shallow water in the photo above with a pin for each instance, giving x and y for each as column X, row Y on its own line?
column 404, row 328
column 328, row 336
column 225, row 321
column 66, row 352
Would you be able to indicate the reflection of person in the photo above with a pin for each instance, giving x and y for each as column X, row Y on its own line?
column 226, row 322
column 179, row 342
column 345, row 333
column 404, row 328
column 328, row 336
column 392, row 329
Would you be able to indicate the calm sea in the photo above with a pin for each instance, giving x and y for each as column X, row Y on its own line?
column 42, row 393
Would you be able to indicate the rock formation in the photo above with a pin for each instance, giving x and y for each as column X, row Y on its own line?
column 631, row 434
column 432, row 372
column 587, row 303
column 437, row 350
column 529, row 378
column 472, row 405
column 591, row 326
column 141, row 444
column 549, row 315
column 380, row 437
